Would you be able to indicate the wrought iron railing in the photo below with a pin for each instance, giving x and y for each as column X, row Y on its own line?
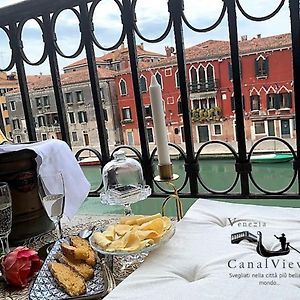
column 45, row 13
column 205, row 86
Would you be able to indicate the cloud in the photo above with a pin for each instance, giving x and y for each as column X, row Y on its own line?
column 152, row 18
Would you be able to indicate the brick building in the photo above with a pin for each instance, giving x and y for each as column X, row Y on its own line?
column 266, row 78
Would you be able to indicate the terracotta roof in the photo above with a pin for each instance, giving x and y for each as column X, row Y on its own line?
column 37, row 82
column 214, row 49
column 116, row 55
column 83, row 62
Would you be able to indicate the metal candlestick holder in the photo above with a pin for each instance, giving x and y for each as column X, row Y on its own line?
column 166, row 175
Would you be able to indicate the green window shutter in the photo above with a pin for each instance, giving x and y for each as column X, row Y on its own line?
column 159, row 79
column 266, row 67
column 268, row 101
column 123, row 87
column 289, row 100
column 230, row 71
column 277, row 101
column 256, row 68
column 143, row 84
column 232, row 104
column 251, row 102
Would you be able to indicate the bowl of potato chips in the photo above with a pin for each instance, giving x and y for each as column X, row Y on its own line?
column 133, row 234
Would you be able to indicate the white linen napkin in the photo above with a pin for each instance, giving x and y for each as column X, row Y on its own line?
column 55, row 156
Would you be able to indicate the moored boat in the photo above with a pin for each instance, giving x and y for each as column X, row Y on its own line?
column 271, row 158
column 89, row 161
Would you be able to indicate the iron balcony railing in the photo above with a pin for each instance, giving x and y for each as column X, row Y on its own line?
column 206, row 86
column 45, row 13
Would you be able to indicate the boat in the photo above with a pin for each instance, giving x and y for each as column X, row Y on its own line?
column 261, row 250
column 89, row 161
column 271, row 158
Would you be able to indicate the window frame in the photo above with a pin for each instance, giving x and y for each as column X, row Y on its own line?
column 261, row 67
column 221, row 131
column 255, row 128
column 124, row 110
column 13, row 105
column 254, row 98
column 148, row 111
column 80, row 99
column 177, row 81
column 73, row 134
column 73, row 114
column 152, row 134
column 69, row 98
column 122, row 83
column 143, row 86
column 17, row 122
column 46, row 101
column 179, row 106
column 84, row 119
column 159, row 79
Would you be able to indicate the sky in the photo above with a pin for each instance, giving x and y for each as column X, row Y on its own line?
column 152, row 17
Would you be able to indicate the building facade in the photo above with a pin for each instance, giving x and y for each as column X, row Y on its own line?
column 266, row 80
column 8, row 82
column 79, row 107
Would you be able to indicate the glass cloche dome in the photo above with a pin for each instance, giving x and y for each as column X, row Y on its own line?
column 123, row 181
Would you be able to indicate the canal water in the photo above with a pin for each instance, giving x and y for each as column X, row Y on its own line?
column 216, row 174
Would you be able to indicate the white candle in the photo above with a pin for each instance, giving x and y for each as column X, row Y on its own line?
column 159, row 123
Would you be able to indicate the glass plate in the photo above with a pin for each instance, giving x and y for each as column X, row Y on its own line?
column 167, row 236
column 46, row 288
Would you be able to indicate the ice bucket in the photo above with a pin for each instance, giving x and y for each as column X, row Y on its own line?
column 29, row 217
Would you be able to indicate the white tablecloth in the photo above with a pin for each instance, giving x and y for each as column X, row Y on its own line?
column 200, row 262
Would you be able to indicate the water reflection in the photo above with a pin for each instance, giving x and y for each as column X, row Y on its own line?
column 219, row 174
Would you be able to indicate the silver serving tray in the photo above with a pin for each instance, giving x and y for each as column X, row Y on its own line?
column 45, row 287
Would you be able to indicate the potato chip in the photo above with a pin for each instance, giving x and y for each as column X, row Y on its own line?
column 101, row 240
column 133, row 242
column 110, row 233
column 133, row 233
column 122, row 229
column 146, row 234
column 118, row 244
column 146, row 219
column 130, row 220
column 156, row 225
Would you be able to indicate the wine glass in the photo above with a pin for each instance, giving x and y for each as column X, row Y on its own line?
column 5, row 215
column 52, row 194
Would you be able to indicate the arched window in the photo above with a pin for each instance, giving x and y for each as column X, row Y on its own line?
column 261, row 67
column 177, row 82
column 123, row 87
column 210, row 78
column 159, row 79
column 202, row 78
column 179, row 106
column 143, row 83
column 194, row 80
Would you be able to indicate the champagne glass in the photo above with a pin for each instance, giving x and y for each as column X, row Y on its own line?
column 52, row 194
column 5, row 216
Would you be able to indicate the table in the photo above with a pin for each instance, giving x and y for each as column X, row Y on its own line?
column 120, row 268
